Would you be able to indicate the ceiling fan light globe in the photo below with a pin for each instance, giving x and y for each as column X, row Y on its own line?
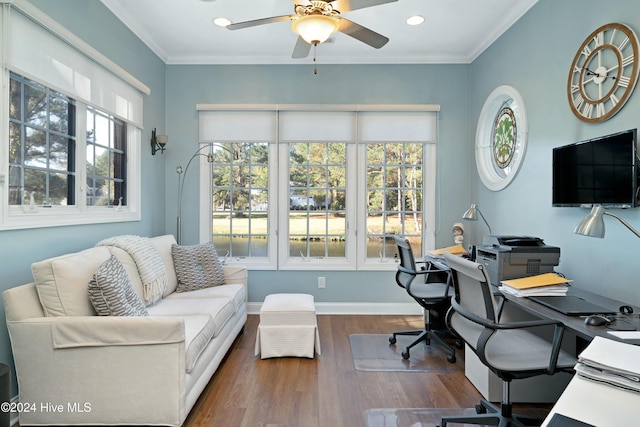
column 315, row 29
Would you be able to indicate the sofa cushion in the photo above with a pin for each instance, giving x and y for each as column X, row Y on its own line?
column 62, row 282
column 198, row 331
column 111, row 293
column 232, row 291
column 197, row 267
column 163, row 246
column 220, row 309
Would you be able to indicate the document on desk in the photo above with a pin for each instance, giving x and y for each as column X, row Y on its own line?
column 547, row 284
column 612, row 362
column 626, row 335
column 455, row 250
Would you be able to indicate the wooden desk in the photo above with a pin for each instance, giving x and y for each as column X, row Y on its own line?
column 576, row 323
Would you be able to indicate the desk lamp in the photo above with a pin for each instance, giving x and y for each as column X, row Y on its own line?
column 472, row 215
column 593, row 224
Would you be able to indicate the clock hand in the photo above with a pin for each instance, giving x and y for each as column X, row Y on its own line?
column 593, row 73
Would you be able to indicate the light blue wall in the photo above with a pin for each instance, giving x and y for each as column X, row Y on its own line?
column 534, row 56
column 446, row 85
column 91, row 21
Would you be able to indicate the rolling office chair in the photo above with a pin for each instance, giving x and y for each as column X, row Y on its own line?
column 508, row 349
column 428, row 295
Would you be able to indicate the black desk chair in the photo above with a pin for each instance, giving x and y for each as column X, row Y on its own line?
column 428, row 295
column 510, row 350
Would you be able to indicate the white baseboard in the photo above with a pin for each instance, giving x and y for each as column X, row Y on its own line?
column 359, row 308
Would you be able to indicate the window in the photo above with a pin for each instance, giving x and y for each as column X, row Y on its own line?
column 74, row 126
column 322, row 189
column 317, row 197
column 394, row 197
column 240, row 199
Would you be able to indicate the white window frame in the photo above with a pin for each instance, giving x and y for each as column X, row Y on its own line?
column 279, row 258
column 122, row 98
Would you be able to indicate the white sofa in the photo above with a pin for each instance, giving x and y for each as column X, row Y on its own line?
column 77, row 368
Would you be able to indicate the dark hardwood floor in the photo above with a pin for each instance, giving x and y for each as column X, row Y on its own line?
column 247, row 391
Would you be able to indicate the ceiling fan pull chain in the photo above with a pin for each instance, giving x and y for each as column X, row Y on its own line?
column 315, row 67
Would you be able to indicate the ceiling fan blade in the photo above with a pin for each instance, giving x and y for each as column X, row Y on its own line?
column 361, row 33
column 256, row 22
column 348, row 5
column 301, row 49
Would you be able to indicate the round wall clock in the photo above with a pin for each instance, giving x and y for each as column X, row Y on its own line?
column 604, row 72
column 501, row 137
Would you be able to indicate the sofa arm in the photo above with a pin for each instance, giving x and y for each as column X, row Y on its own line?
column 97, row 331
column 235, row 274
column 136, row 383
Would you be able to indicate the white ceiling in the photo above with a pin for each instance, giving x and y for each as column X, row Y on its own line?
column 182, row 32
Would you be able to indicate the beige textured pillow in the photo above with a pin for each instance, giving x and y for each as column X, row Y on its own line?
column 197, row 267
column 111, row 293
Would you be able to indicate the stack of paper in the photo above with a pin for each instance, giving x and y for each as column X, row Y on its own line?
column 455, row 250
column 547, row 284
column 612, row 362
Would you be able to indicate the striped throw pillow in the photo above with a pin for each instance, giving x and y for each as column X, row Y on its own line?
column 197, row 267
column 111, row 293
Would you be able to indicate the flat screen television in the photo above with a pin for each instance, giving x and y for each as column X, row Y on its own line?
column 599, row 171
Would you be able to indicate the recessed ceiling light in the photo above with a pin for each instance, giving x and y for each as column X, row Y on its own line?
column 415, row 20
column 221, row 22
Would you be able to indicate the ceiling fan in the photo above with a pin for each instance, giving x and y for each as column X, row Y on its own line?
column 316, row 20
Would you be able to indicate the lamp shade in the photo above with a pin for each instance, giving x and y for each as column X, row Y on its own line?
column 593, row 224
column 471, row 214
column 162, row 140
column 315, row 29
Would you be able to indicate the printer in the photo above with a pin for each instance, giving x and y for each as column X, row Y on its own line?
column 511, row 257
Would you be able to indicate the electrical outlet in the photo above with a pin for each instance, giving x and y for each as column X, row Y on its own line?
column 322, row 283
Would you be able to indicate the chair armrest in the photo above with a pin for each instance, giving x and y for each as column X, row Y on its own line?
column 491, row 327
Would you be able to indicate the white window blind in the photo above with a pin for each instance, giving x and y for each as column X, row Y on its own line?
column 34, row 53
column 237, row 126
column 397, row 126
column 297, row 126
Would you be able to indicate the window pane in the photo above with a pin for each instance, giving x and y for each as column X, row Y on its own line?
column 35, row 108
column 59, row 152
column 58, row 189
column 36, row 148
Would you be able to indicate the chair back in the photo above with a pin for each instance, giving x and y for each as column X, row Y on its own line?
column 474, row 303
column 407, row 268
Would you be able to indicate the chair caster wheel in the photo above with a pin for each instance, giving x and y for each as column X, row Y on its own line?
column 405, row 355
column 451, row 358
column 459, row 344
column 392, row 340
column 480, row 409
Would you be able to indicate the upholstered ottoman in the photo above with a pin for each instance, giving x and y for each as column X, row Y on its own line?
column 287, row 327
